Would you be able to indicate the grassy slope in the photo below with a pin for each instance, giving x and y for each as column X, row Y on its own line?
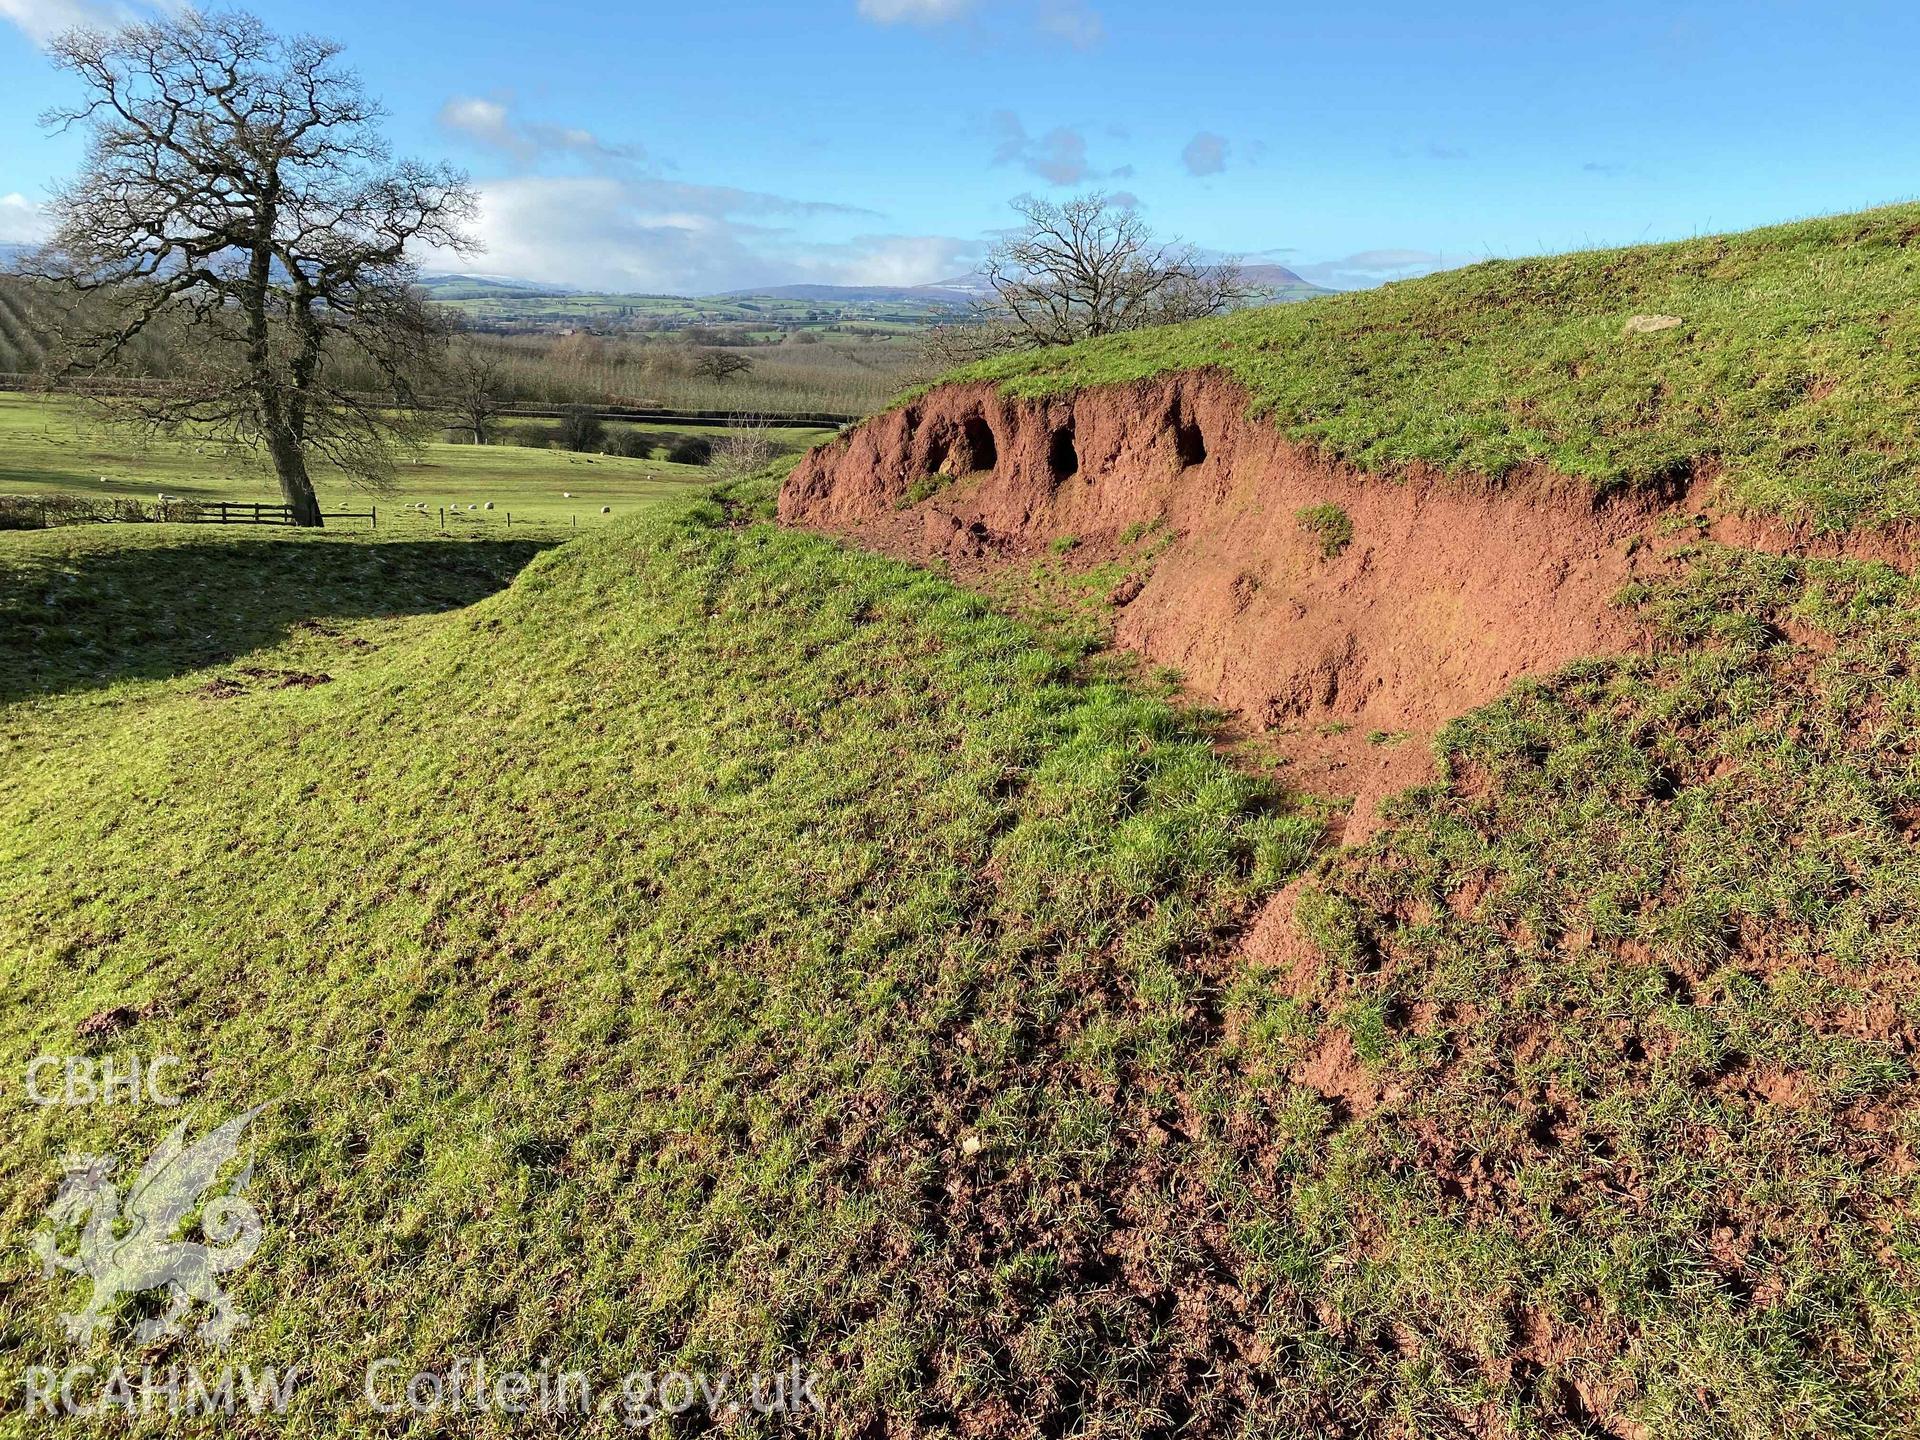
column 650, row 936
column 1638, row 983
column 627, row 955
column 1791, row 370
column 52, row 446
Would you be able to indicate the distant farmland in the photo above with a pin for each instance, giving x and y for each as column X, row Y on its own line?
column 487, row 306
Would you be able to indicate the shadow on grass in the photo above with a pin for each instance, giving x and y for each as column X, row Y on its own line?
column 84, row 609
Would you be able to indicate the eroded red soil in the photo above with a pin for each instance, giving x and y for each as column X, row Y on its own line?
column 1443, row 596
column 1446, row 593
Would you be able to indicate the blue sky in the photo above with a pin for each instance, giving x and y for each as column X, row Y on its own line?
column 700, row 146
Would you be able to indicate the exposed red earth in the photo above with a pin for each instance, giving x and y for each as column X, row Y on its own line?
column 1444, row 595
column 1447, row 592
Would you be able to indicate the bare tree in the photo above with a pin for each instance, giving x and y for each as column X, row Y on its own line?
column 236, row 183
column 745, row 449
column 1077, row 270
column 582, row 430
column 477, row 393
column 980, row 334
column 720, row 366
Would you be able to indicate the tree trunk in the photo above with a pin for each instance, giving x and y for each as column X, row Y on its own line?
column 296, row 489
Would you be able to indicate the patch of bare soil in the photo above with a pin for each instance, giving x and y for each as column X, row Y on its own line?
column 1444, row 595
column 226, row 687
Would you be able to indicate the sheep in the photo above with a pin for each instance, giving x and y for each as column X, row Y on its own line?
column 489, row 504
column 606, row 509
column 566, row 494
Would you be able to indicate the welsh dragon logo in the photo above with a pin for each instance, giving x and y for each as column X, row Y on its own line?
column 129, row 1246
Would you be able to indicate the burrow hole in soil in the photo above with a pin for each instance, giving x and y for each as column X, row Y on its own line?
column 937, row 455
column 979, row 442
column 1062, row 459
column 1189, row 444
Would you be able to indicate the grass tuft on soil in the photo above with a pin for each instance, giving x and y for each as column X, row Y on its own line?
column 1329, row 524
column 1789, row 374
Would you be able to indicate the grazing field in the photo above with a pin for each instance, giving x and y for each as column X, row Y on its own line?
column 797, row 367
column 840, row 374
column 494, row 306
column 56, row 446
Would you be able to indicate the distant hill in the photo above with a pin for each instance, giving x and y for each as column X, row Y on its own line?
column 974, row 287
column 1279, row 283
column 482, row 287
column 943, row 293
column 1270, row 282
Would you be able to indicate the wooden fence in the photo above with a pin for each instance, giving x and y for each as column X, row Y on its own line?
column 248, row 512
column 219, row 512
column 44, row 512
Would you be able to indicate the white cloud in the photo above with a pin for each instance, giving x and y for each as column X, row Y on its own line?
column 886, row 260
column 1058, row 157
column 21, row 221
column 482, row 120
column 1205, row 154
column 1073, row 21
column 492, row 124
column 917, row 12
column 41, row 20
column 576, row 209
column 647, row 234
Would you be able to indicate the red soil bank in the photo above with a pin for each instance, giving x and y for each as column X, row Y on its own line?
column 1445, row 594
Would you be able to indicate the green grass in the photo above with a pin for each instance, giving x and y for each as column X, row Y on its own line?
column 50, row 446
column 1636, row 991
column 701, row 944
column 1790, row 375
column 625, row 955
column 1328, row 524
